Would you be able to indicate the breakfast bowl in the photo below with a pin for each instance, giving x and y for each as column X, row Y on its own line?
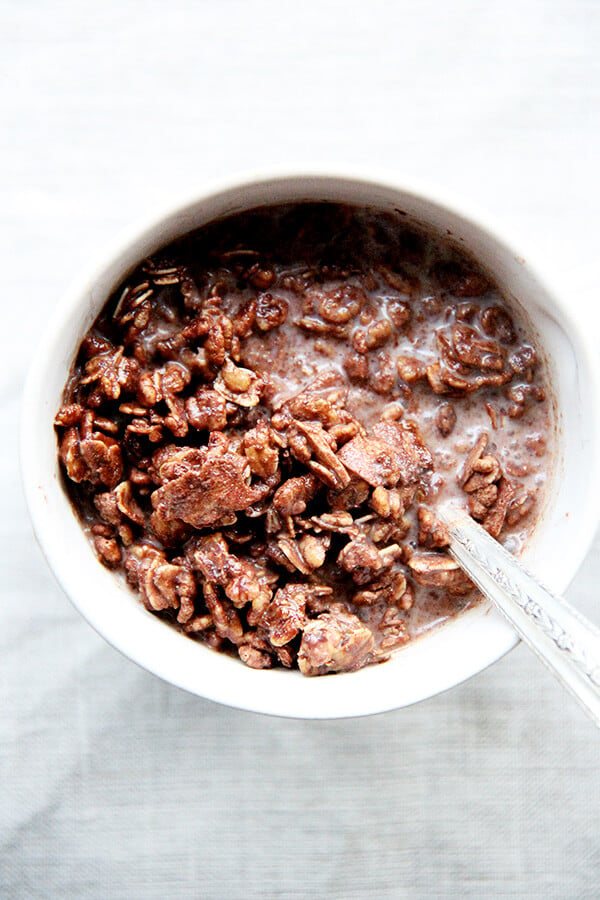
column 435, row 661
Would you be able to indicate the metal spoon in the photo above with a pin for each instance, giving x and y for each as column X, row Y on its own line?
column 562, row 638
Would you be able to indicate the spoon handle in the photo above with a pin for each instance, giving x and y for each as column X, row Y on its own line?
column 562, row 638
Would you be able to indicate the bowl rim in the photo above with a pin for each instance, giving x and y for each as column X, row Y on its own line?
column 483, row 622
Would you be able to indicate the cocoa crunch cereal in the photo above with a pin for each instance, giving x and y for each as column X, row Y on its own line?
column 262, row 420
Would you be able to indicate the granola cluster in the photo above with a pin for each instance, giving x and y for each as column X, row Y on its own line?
column 257, row 433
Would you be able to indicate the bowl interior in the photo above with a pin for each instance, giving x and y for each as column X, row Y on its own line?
column 434, row 662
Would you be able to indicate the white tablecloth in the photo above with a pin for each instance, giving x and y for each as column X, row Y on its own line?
column 113, row 783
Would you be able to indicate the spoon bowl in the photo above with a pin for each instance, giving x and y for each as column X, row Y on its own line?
column 433, row 663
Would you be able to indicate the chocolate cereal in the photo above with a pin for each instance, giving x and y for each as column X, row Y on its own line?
column 261, row 423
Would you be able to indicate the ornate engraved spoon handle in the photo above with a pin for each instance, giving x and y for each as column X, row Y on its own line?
column 562, row 638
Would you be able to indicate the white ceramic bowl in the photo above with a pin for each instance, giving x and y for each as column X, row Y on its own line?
column 431, row 664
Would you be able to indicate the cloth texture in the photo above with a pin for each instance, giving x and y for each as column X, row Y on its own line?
column 114, row 784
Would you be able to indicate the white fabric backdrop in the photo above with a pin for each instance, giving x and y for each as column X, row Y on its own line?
column 113, row 783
